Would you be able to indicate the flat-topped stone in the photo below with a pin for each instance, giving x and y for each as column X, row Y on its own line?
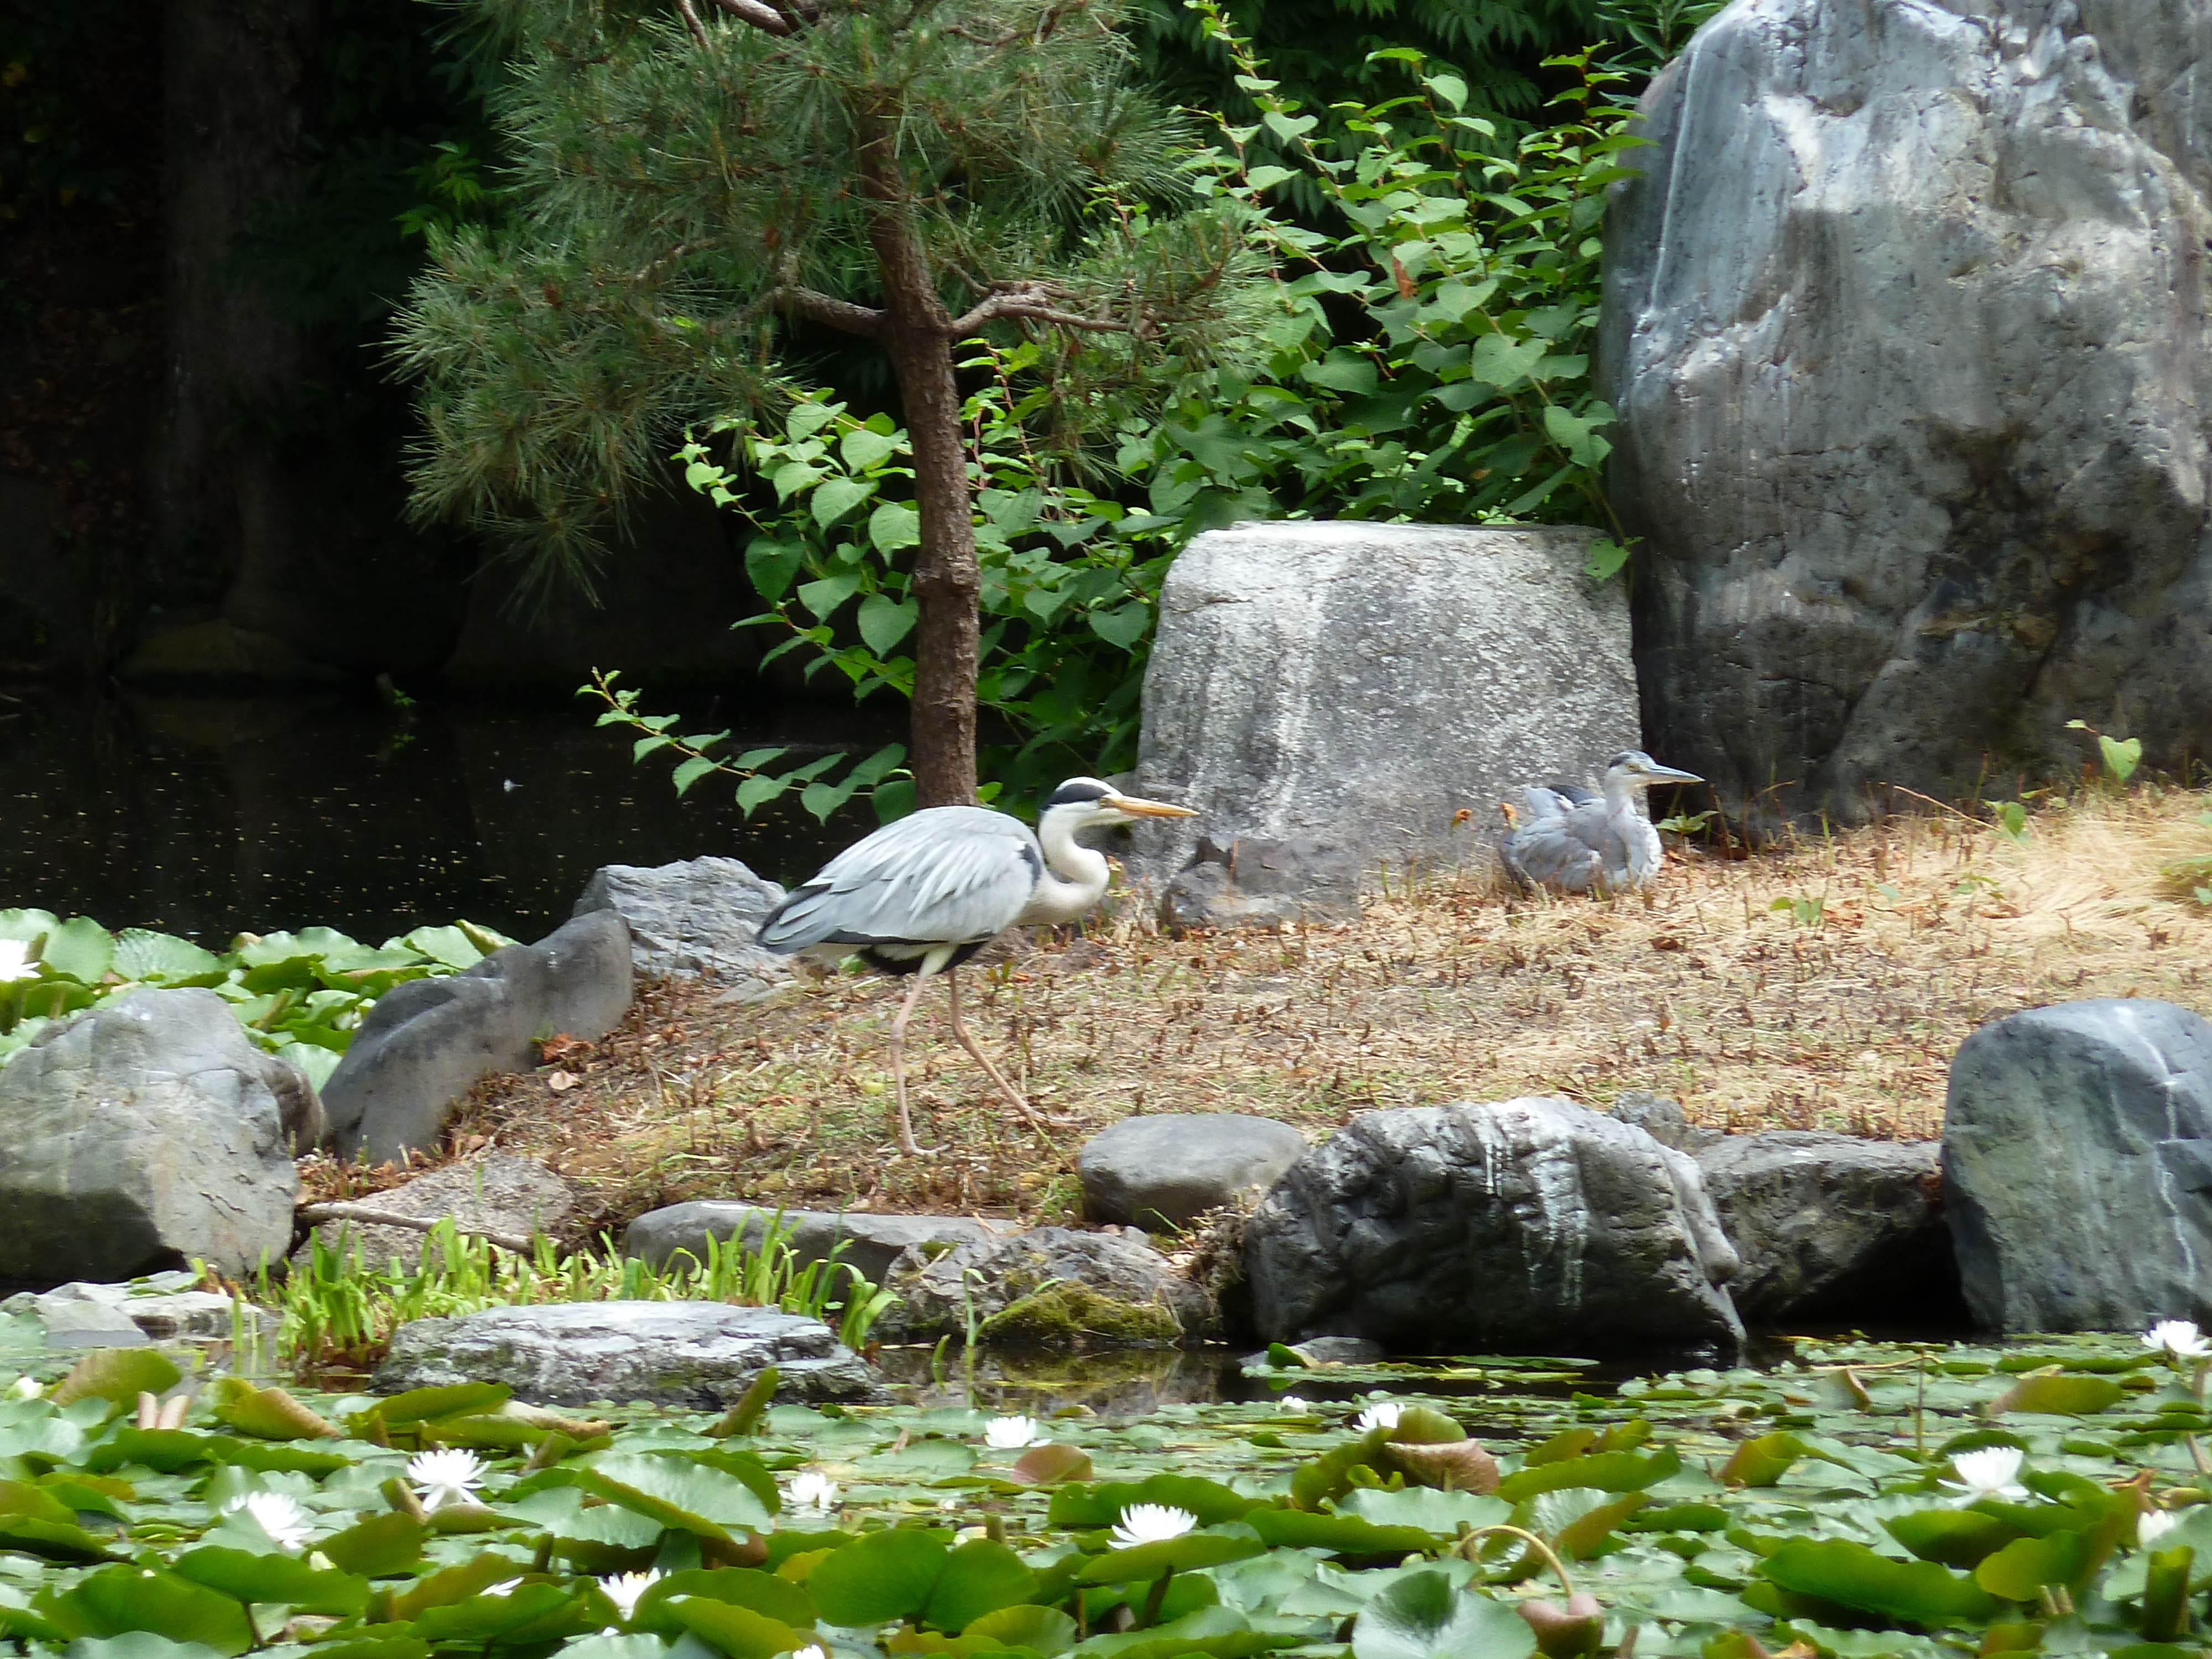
column 703, row 1355
column 693, row 917
column 497, row 1192
column 1158, row 1171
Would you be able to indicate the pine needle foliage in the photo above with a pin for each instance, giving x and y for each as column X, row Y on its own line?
column 696, row 180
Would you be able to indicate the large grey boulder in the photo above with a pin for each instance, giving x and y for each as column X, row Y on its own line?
column 163, row 1306
column 425, row 1042
column 872, row 1242
column 1909, row 322
column 2077, row 1167
column 145, row 1133
column 1158, row 1171
column 497, row 1192
column 695, row 916
column 703, row 1355
column 1358, row 685
column 1829, row 1225
column 1050, row 1287
column 1532, row 1224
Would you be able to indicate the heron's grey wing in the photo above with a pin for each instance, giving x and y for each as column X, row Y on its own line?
column 1549, row 854
column 947, row 874
column 1547, row 802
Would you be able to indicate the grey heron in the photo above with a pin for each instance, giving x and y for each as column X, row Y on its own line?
column 1576, row 841
column 922, row 895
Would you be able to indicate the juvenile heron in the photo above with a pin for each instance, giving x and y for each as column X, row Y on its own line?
column 1575, row 841
column 924, row 894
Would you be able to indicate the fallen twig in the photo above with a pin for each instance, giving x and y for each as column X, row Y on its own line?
column 370, row 1216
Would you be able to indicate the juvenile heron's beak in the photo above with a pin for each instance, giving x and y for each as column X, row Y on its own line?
column 1137, row 807
column 1659, row 774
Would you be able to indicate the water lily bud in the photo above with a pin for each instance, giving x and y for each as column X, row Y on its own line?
column 1569, row 1632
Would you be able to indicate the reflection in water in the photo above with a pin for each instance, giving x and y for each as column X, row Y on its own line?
column 207, row 816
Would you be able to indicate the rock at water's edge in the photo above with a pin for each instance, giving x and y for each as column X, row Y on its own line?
column 872, row 1243
column 146, row 1133
column 425, row 1042
column 1050, row 1286
column 1160, row 1170
column 1527, row 1225
column 695, row 916
column 2077, row 1167
column 700, row 1355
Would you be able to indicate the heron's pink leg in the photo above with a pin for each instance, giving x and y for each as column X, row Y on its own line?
column 960, row 1030
column 899, row 1066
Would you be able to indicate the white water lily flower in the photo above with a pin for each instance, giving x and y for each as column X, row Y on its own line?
column 1151, row 1523
column 450, row 1475
column 278, row 1515
column 15, row 960
column 1005, row 1433
column 2179, row 1339
column 624, row 1589
column 811, row 1490
column 25, row 1387
column 1292, row 1404
column 1383, row 1414
column 815, row 1650
column 505, row 1587
column 1991, row 1471
column 2153, row 1525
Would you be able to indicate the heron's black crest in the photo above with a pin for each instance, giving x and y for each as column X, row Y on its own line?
column 1624, row 758
column 1075, row 791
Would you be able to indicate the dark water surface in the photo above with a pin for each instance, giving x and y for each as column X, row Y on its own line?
column 209, row 816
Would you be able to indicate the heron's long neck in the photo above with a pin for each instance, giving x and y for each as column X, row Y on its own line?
column 1623, row 800
column 1075, row 876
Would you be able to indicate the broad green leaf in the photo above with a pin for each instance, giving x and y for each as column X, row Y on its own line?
column 1852, row 1576
column 115, row 1599
column 1423, row 1616
column 1041, row 1630
column 1340, row 1534
column 861, row 448
column 823, row 596
column 738, row 1587
column 118, row 1375
column 378, row 1545
column 1123, row 625
column 529, row 1614
column 770, row 564
column 884, row 620
column 893, row 526
column 449, row 946
column 162, row 959
column 2023, row 1567
column 1617, row 1471
column 2059, row 1394
column 838, row 496
column 25, row 925
column 1762, row 1461
column 1957, row 1538
column 979, row 1576
column 1434, row 1511
column 1188, row 1553
column 1348, row 372
column 678, row 1493
column 737, row 1631
column 79, row 949
column 883, row 1576
column 271, row 1577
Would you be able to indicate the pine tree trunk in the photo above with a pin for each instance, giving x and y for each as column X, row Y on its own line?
column 917, row 336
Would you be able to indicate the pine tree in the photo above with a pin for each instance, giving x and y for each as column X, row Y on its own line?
column 697, row 184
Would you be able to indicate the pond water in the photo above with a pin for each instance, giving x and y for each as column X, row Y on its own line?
column 207, row 816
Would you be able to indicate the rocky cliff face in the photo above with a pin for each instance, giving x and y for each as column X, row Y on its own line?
column 1906, row 323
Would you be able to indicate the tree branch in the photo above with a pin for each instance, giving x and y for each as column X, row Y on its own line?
column 691, row 21
column 762, row 15
column 819, row 308
column 1032, row 305
column 369, row 1216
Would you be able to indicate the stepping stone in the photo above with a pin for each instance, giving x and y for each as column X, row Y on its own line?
column 1158, row 1171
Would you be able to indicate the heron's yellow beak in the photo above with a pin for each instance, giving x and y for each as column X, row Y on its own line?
column 1137, row 807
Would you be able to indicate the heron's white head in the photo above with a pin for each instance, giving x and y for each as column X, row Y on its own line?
column 1086, row 804
column 1639, row 771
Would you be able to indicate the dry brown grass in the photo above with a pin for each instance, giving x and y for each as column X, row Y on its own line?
column 1447, row 989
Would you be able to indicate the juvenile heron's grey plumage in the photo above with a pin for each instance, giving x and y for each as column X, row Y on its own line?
column 1575, row 841
column 922, row 895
